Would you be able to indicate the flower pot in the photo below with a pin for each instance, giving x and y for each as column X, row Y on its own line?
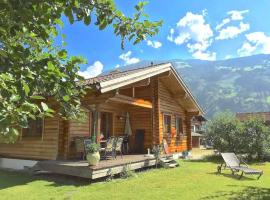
column 93, row 158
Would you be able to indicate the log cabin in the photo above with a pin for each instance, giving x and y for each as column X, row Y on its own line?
column 159, row 104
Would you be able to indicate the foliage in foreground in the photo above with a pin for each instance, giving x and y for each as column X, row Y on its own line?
column 228, row 134
column 34, row 68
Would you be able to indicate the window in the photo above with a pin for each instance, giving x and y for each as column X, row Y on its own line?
column 166, row 124
column 179, row 125
column 35, row 129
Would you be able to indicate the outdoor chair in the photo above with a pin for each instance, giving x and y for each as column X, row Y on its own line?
column 118, row 146
column 79, row 147
column 109, row 149
column 86, row 142
column 235, row 165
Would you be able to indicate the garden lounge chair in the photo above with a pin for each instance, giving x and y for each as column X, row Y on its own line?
column 235, row 165
column 118, row 146
column 109, row 149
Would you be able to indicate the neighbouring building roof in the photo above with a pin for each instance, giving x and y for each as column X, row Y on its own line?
column 244, row 116
column 117, row 79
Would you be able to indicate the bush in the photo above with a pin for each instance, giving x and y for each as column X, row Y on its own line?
column 256, row 138
column 224, row 132
column 228, row 134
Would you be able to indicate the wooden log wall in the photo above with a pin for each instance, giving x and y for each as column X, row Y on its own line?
column 72, row 129
column 45, row 147
column 168, row 105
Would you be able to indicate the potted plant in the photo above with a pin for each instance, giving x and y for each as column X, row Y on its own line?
column 185, row 154
column 92, row 153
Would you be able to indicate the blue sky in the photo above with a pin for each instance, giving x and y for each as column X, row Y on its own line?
column 201, row 29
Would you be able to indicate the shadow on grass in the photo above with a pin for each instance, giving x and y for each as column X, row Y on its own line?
column 209, row 158
column 235, row 176
column 247, row 192
column 10, row 178
column 14, row 178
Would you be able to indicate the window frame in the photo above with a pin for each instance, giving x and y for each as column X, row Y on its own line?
column 170, row 124
column 180, row 124
column 33, row 137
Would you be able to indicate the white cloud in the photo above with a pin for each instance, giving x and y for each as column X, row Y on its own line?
column 234, row 15
column 205, row 55
column 154, row 44
column 223, row 23
column 237, row 14
column 257, row 42
column 193, row 31
column 170, row 36
column 232, row 31
column 117, row 66
column 92, row 71
column 126, row 57
column 228, row 57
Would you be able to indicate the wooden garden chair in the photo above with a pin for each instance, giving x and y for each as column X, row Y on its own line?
column 79, row 147
column 118, row 146
column 235, row 165
column 109, row 149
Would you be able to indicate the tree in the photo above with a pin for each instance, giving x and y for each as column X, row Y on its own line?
column 228, row 134
column 224, row 132
column 256, row 140
column 33, row 69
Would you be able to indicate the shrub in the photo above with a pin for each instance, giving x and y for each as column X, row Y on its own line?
column 228, row 134
column 256, row 140
column 224, row 132
column 127, row 172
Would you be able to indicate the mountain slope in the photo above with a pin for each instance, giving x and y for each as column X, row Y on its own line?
column 240, row 84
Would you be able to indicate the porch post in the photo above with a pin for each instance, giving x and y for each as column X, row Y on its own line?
column 156, row 133
column 97, row 123
column 188, row 125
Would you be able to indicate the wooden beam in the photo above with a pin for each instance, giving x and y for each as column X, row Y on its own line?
column 131, row 101
column 142, row 83
column 96, row 98
column 193, row 113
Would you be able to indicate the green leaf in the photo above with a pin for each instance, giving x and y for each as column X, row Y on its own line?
column 44, row 106
column 37, row 97
column 26, row 88
column 62, row 54
column 87, row 20
column 50, row 65
column 66, row 98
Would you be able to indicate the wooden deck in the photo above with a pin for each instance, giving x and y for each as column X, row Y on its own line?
column 105, row 167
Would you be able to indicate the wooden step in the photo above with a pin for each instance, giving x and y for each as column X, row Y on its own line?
column 172, row 165
column 168, row 163
column 166, row 160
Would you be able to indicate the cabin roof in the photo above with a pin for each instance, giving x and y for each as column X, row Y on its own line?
column 117, row 79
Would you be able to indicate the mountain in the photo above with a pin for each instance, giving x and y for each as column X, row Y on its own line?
column 238, row 84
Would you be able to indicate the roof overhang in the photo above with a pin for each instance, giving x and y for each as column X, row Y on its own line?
column 145, row 73
column 134, row 77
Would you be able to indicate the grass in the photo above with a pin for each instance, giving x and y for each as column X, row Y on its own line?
column 192, row 180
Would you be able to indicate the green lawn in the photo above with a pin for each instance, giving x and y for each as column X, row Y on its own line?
column 193, row 180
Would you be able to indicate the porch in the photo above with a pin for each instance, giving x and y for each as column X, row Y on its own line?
column 80, row 168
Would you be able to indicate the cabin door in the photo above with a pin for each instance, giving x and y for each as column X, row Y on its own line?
column 106, row 123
